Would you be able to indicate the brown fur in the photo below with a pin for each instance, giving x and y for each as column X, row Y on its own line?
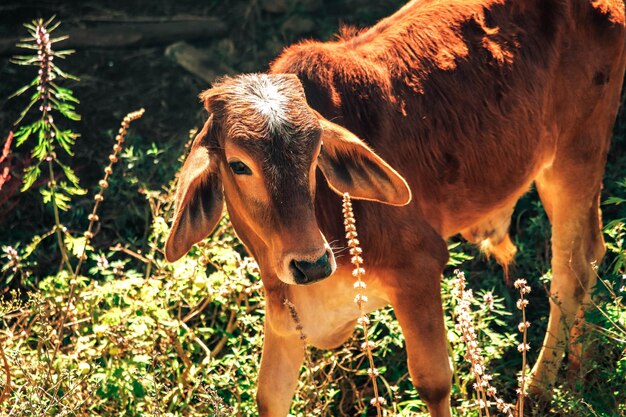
column 470, row 101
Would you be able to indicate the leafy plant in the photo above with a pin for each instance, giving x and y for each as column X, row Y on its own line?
column 50, row 100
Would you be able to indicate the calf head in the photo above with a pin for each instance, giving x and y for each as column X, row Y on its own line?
column 259, row 151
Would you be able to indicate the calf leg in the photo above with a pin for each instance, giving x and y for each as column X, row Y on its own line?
column 280, row 367
column 578, row 349
column 416, row 299
column 572, row 206
column 569, row 190
column 594, row 252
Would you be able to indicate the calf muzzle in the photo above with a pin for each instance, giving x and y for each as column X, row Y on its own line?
column 305, row 272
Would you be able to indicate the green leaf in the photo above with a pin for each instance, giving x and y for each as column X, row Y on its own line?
column 24, row 60
column 69, row 173
column 26, row 45
column 65, row 138
column 23, row 89
column 30, row 248
column 138, row 389
column 30, row 176
column 47, row 23
column 43, row 148
column 64, row 94
column 61, row 201
column 46, row 194
column 63, row 74
column 67, row 110
column 34, row 98
column 72, row 190
column 614, row 200
column 59, row 38
column 457, row 256
column 23, row 113
column 62, row 54
column 77, row 245
column 23, row 134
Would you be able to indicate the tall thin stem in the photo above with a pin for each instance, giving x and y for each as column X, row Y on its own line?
column 58, row 227
column 93, row 217
column 360, row 298
column 45, row 57
column 484, row 389
column 523, row 288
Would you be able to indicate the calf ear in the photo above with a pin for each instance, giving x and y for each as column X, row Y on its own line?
column 349, row 165
column 199, row 199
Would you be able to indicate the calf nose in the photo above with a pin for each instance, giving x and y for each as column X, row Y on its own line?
column 306, row 272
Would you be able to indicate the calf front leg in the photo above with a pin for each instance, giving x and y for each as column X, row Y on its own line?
column 280, row 367
column 416, row 299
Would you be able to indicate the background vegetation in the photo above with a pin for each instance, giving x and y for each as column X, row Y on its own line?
column 143, row 337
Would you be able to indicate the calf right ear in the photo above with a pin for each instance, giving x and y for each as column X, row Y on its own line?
column 199, row 199
column 349, row 165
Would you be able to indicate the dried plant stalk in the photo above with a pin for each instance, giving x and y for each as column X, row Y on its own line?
column 104, row 183
column 93, row 217
column 523, row 288
column 360, row 299
column 465, row 325
column 293, row 312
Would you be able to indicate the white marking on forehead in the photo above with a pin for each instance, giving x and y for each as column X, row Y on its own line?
column 269, row 101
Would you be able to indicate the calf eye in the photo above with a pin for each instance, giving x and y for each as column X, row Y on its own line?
column 239, row 168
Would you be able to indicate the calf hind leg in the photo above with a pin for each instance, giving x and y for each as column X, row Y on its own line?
column 570, row 197
column 594, row 252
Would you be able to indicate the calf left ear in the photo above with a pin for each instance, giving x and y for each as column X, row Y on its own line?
column 349, row 165
column 199, row 199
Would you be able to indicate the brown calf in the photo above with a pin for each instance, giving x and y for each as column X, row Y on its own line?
column 470, row 101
